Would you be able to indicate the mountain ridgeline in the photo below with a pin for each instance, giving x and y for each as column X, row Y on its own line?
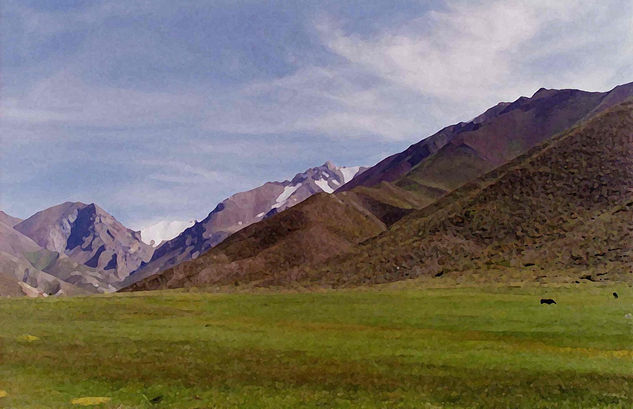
column 541, row 182
column 564, row 209
column 45, row 264
column 88, row 235
column 242, row 210
column 539, row 188
column 461, row 152
column 77, row 248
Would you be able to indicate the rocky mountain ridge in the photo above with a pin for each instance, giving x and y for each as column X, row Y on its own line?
column 261, row 253
column 88, row 235
column 241, row 210
column 469, row 149
column 28, row 269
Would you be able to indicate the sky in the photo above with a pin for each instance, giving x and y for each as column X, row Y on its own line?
column 158, row 110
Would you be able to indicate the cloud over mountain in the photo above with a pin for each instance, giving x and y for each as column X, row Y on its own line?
column 121, row 86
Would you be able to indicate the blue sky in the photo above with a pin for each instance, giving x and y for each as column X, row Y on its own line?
column 157, row 110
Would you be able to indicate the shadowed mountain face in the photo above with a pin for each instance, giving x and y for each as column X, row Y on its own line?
column 88, row 236
column 460, row 154
column 306, row 234
column 566, row 206
column 242, row 210
column 28, row 269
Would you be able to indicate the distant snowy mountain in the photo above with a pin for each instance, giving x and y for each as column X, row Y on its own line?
column 244, row 209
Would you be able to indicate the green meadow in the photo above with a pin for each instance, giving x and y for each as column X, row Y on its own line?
column 384, row 347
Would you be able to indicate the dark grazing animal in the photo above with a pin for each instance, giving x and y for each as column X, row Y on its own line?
column 615, row 295
column 547, row 301
column 156, row 399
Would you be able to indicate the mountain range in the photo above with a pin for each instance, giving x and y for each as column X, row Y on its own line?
column 538, row 187
column 80, row 248
column 367, row 232
column 563, row 209
column 242, row 210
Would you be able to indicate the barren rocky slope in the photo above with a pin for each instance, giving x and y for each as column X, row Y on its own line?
column 242, row 210
column 25, row 267
column 567, row 206
column 461, row 152
column 409, row 249
column 90, row 236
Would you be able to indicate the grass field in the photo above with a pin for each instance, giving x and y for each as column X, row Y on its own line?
column 373, row 348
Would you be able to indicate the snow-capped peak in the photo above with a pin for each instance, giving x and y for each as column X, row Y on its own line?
column 349, row 172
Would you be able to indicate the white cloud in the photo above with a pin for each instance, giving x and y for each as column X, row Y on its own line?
column 337, row 101
column 399, row 83
column 442, row 67
column 163, row 230
column 484, row 51
column 470, row 51
column 65, row 98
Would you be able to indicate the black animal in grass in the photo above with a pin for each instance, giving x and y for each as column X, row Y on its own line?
column 156, row 399
column 547, row 301
column 615, row 295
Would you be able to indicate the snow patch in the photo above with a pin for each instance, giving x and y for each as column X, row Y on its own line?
column 281, row 199
column 349, row 172
column 322, row 183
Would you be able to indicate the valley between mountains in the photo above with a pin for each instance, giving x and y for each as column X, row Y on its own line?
column 538, row 189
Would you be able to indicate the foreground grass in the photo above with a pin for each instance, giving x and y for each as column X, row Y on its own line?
column 378, row 348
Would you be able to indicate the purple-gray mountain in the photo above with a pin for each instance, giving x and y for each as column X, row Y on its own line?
column 281, row 249
column 90, row 236
column 27, row 268
column 77, row 248
column 460, row 152
column 241, row 210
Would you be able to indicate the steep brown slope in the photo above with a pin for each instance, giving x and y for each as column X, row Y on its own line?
column 301, row 235
column 459, row 153
column 241, row 210
column 465, row 151
column 566, row 205
column 449, row 167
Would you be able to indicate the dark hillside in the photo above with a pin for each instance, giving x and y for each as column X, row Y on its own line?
column 566, row 205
